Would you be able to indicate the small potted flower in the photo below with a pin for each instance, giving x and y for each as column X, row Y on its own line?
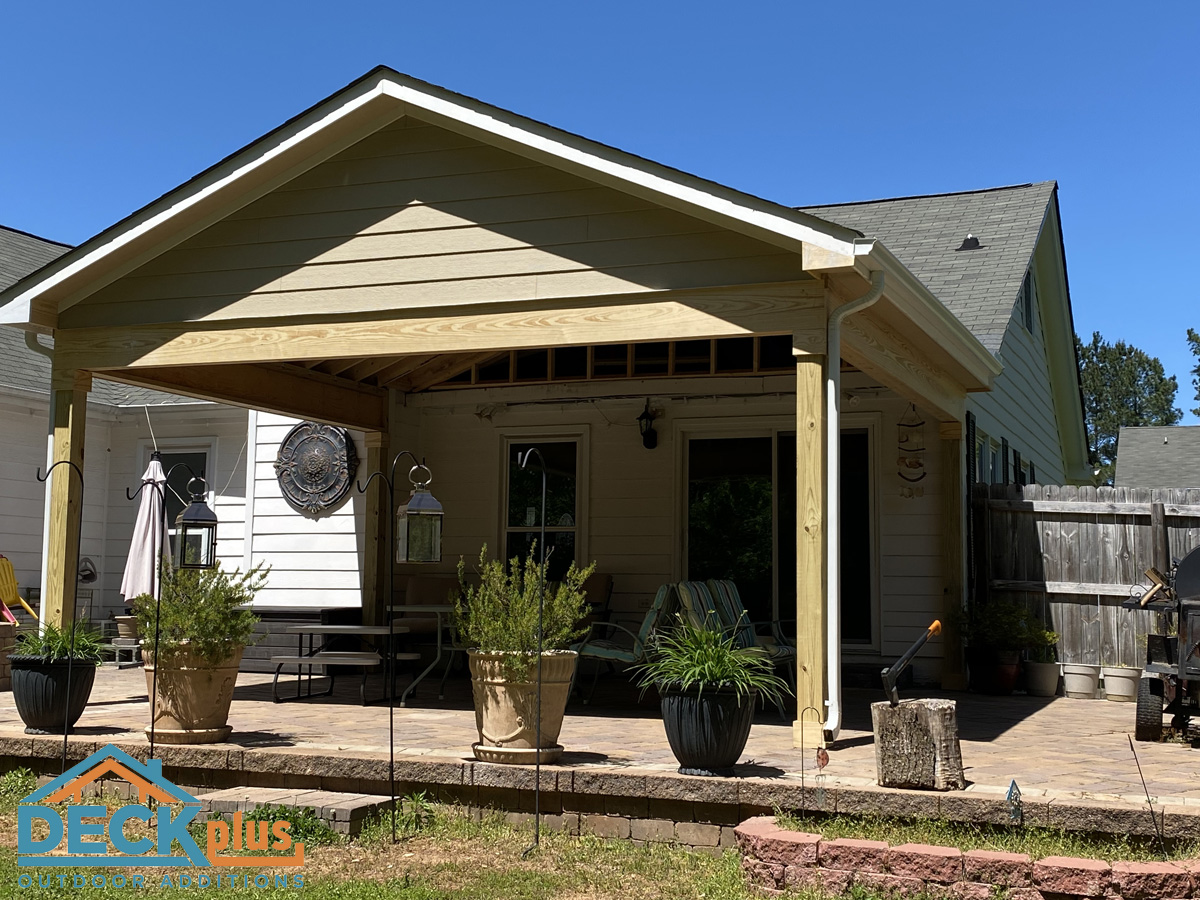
column 709, row 688
column 1041, row 669
column 52, row 675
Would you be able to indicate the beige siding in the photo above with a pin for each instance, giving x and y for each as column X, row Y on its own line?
column 435, row 220
column 1021, row 405
column 315, row 561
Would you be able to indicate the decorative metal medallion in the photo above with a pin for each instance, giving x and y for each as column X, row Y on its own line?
column 316, row 466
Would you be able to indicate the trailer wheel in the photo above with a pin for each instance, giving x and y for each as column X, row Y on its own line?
column 1148, row 723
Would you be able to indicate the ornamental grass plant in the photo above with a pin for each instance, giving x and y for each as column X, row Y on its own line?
column 204, row 612
column 53, row 644
column 688, row 657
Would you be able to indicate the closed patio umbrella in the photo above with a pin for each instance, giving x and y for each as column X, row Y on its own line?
column 148, row 545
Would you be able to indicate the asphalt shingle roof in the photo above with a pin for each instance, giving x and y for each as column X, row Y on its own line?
column 979, row 286
column 20, row 367
column 1165, row 456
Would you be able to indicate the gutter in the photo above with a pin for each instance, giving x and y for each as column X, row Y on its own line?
column 833, row 586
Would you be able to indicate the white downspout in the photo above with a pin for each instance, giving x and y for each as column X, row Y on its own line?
column 833, row 574
column 37, row 346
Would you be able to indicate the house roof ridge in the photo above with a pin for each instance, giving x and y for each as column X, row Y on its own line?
column 988, row 190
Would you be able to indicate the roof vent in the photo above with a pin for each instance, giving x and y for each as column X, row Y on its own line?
column 970, row 243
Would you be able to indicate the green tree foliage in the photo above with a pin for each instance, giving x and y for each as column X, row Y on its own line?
column 1194, row 343
column 1122, row 386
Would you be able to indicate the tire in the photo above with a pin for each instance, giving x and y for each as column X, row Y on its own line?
column 1148, row 722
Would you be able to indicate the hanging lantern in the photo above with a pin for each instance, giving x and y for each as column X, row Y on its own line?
column 646, row 427
column 196, row 532
column 419, row 524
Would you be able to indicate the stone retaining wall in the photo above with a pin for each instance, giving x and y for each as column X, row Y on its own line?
column 775, row 860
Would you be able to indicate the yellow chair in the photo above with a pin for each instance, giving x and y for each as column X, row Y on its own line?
column 8, row 588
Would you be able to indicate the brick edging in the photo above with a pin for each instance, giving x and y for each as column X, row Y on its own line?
column 774, row 859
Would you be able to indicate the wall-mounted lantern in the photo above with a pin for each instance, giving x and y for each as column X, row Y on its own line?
column 196, row 532
column 419, row 524
column 646, row 427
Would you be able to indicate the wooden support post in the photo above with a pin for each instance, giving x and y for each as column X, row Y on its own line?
column 954, row 508
column 376, row 527
column 68, row 417
column 811, row 614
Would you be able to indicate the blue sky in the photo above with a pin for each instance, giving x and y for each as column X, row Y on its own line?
column 106, row 106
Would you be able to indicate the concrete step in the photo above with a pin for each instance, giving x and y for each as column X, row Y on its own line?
column 344, row 813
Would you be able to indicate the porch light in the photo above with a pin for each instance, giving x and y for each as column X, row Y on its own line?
column 196, row 532
column 419, row 524
column 646, row 427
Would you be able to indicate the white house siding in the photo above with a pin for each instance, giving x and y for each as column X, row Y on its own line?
column 1020, row 406
column 315, row 561
column 23, row 451
column 633, row 513
column 219, row 429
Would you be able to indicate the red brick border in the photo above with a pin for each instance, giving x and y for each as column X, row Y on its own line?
column 774, row 859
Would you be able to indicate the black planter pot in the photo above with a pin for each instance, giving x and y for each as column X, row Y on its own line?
column 707, row 731
column 40, row 690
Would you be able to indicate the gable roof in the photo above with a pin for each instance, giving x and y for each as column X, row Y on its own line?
column 22, row 253
column 147, row 777
column 979, row 286
column 1164, row 456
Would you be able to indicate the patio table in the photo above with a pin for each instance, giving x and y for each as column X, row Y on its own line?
column 439, row 610
column 319, row 656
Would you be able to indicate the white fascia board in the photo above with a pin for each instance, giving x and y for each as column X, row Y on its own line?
column 910, row 295
column 787, row 227
column 557, row 147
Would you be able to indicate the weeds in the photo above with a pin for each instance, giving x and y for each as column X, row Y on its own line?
column 1037, row 842
column 15, row 785
column 307, row 827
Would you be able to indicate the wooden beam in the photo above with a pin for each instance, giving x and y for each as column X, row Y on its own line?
column 68, row 419
column 1094, row 507
column 401, row 367
column 364, row 369
column 811, row 613
column 885, row 355
column 441, row 369
column 376, row 528
column 954, row 509
column 1090, row 589
column 282, row 389
column 669, row 315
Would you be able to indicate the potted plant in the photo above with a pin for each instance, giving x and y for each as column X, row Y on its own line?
column 203, row 629
column 709, row 688
column 497, row 620
column 1041, row 669
column 52, row 676
column 996, row 634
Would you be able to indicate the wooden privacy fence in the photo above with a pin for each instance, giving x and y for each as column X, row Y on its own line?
column 1074, row 554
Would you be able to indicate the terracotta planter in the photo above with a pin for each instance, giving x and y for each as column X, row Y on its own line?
column 1121, row 683
column 993, row 671
column 1080, row 681
column 40, row 690
column 506, row 711
column 708, row 730
column 126, row 626
column 1041, row 679
column 193, row 697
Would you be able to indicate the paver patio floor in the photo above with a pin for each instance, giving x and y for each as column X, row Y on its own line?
column 1060, row 748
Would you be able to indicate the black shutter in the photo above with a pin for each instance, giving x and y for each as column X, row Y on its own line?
column 1032, row 473
column 1018, row 475
column 1004, row 460
column 972, row 459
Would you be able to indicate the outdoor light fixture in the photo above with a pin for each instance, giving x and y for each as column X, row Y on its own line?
column 419, row 524
column 646, row 426
column 196, row 532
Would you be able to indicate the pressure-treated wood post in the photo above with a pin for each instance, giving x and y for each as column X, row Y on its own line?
column 68, row 417
column 376, row 524
column 954, row 507
column 811, row 614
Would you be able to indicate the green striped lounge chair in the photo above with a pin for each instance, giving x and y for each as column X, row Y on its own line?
column 606, row 650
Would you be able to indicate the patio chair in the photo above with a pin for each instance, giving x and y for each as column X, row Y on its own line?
column 606, row 650
column 718, row 602
column 9, row 596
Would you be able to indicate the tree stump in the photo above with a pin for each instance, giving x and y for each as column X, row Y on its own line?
column 916, row 745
